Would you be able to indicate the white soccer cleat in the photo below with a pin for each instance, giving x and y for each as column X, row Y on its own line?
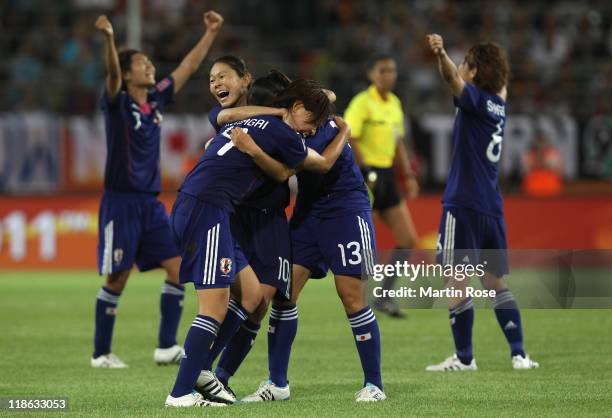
column 107, row 361
column 268, row 391
column 452, row 364
column 370, row 393
column 211, row 388
column 190, row 400
column 170, row 355
column 524, row 363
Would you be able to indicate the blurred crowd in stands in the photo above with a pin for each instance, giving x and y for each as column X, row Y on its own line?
column 559, row 50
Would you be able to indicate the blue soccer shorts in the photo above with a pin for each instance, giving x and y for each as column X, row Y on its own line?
column 470, row 237
column 211, row 257
column 264, row 237
column 346, row 244
column 133, row 228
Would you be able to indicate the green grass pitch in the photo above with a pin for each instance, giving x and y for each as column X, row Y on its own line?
column 46, row 327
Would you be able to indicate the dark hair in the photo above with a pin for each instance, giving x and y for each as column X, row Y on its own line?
column 125, row 62
column 235, row 62
column 264, row 89
column 492, row 64
column 375, row 59
column 311, row 94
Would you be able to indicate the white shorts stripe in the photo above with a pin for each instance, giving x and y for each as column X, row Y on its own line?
column 367, row 245
column 214, row 258
column 107, row 257
column 205, row 277
column 452, row 240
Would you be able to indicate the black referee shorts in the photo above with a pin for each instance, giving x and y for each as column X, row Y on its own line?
column 384, row 189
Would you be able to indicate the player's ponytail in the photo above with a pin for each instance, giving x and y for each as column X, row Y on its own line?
column 265, row 89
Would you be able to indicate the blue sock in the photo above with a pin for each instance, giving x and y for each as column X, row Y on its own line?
column 509, row 319
column 236, row 351
column 106, row 307
column 367, row 338
column 282, row 330
column 235, row 316
column 200, row 337
column 462, row 322
column 171, row 307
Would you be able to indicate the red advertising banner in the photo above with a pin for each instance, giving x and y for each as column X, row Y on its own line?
column 61, row 232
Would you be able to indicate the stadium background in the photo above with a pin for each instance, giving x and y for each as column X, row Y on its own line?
column 52, row 154
column 52, row 146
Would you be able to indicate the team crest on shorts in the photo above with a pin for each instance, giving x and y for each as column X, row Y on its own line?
column 118, row 255
column 225, row 265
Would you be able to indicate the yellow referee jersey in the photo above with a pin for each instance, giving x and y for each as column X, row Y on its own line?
column 377, row 124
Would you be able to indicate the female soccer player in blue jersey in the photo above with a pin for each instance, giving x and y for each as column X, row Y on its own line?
column 223, row 178
column 133, row 223
column 331, row 228
column 472, row 229
column 259, row 224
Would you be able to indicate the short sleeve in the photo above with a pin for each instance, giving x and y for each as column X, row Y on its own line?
column 163, row 92
column 355, row 115
column 291, row 148
column 469, row 99
column 331, row 130
column 401, row 128
column 213, row 116
column 106, row 104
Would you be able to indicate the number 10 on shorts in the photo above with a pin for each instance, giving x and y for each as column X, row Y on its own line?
column 284, row 269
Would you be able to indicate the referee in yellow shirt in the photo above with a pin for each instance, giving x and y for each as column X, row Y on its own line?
column 377, row 125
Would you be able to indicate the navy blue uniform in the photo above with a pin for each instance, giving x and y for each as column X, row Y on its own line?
column 260, row 226
column 473, row 217
column 331, row 227
column 133, row 224
column 223, row 179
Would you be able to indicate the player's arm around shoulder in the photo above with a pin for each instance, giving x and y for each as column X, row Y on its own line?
column 111, row 58
column 190, row 64
column 235, row 114
column 273, row 168
column 322, row 163
column 446, row 66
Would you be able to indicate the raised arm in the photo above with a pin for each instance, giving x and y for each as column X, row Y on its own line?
column 194, row 58
column 111, row 58
column 447, row 68
column 273, row 168
column 322, row 163
column 234, row 114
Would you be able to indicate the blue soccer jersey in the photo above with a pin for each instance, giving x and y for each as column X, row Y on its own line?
column 270, row 196
column 225, row 177
column 476, row 151
column 133, row 139
column 339, row 191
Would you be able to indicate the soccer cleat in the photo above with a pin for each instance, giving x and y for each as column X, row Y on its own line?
column 389, row 307
column 268, row 391
column 170, row 355
column 370, row 393
column 189, row 400
column 107, row 361
column 211, row 388
column 524, row 363
column 452, row 364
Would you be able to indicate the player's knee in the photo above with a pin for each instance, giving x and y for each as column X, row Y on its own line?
column 117, row 281
column 260, row 312
column 491, row 282
column 352, row 301
column 251, row 300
